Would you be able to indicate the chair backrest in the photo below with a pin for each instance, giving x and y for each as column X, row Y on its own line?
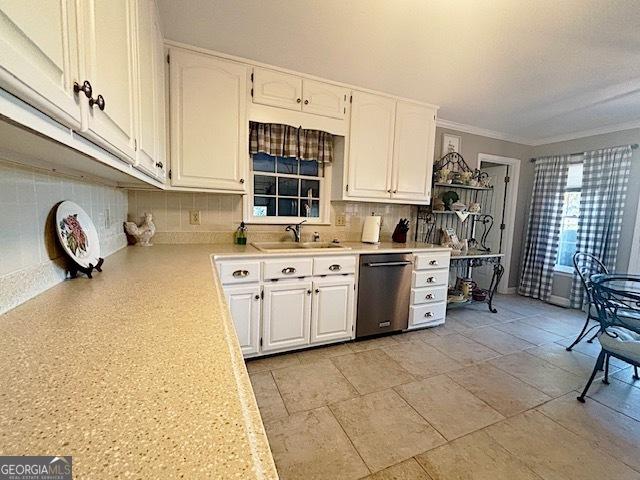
column 587, row 265
column 617, row 300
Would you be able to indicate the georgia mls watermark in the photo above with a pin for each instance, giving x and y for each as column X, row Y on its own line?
column 35, row 468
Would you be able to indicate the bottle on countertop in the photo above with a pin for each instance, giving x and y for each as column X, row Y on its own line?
column 240, row 237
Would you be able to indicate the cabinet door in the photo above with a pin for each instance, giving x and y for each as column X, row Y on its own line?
column 209, row 126
column 277, row 89
column 415, row 133
column 244, row 304
column 108, row 41
column 332, row 309
column 324, row 99
column 161, row 94
column 286, row 315
column 39, row 55
column 146, row 87
column 370, row 145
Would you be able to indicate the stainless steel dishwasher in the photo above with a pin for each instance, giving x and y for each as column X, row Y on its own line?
column 384, row 288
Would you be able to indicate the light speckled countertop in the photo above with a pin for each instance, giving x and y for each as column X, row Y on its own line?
column 137, row 372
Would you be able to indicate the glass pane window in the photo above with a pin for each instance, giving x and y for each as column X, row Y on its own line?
column 569, row 229
column 286, row 187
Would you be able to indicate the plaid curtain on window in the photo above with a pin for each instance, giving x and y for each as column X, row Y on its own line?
column 604, row 191
column 286, row 141
column 543, row 228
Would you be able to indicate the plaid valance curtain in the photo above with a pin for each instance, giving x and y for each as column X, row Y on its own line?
column 286, row 141
column 543, row 229
column 604, row 191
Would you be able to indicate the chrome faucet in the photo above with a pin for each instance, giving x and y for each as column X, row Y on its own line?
column 296, row 230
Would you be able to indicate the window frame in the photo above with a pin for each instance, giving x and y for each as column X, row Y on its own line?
column 564, row 269
column 324, row 201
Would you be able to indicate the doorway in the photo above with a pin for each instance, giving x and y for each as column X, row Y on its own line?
column 504, row 174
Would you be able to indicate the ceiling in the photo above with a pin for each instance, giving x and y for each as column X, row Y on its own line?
column 532, row 72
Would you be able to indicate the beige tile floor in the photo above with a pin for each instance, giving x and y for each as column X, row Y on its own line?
column 482, row 397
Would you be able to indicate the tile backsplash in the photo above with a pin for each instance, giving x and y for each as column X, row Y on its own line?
column 221, row 214
column 31, row 260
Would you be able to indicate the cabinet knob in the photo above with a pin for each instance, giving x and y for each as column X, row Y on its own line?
column 240, row 273
column 428, row 296
column 298, row 100
column 98, row 101
column 86, row 88
column 257, row 297
column 428, row 315
column 159, row 165
column 433, row 262
column 242, row 180
column 389, row 191
column 308, row 292
column 288, row 270
column 306, row 102
column 317, row 290
column 431, row 280
column 395, row 191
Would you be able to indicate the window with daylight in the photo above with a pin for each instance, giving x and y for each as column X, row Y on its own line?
column 570, row 216
column 286, row 190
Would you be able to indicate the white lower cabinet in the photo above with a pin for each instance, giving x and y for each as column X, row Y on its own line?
column 332, row 309
column 286, row 314
column 245, row 304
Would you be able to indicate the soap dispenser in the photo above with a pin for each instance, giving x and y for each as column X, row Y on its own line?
column 240, row 237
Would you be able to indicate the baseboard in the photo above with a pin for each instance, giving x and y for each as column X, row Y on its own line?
column 508, row 290
column 559, row 301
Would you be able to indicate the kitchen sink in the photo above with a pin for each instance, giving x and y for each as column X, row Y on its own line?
column 297, row 246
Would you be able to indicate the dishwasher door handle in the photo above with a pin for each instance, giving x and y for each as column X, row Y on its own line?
column 388, row 264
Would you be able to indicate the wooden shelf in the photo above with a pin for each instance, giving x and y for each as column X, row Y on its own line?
column 465, row 187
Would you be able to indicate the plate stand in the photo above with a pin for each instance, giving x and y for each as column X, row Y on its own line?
column 75, row 268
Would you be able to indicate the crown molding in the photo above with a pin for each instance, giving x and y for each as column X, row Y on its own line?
column 619, row 127
column 507, row 137
column 463, row 127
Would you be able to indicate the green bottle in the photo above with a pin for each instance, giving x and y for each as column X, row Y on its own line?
column 241, row 235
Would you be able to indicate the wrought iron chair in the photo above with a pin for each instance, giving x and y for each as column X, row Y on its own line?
column 587, row 265
column 617, row 302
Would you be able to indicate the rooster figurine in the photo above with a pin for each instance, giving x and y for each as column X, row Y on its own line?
column 142, row 233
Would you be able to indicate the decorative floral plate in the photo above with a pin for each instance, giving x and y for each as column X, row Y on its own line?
column 77, row 234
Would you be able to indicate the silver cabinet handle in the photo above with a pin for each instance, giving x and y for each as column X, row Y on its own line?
column 335, row 267
column 428, row 296
column 240, row 273
column 428, row 315
column 433, row 262
column 431, row 280
column 288, row 270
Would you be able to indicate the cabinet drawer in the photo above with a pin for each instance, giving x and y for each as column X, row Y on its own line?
column 429, row 278
column 239, row 271
column 334, row 265
column 429, row 261
column 430, row 313
column 428, row 295
column 287, row 268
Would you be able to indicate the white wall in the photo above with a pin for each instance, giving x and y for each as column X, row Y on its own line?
column 31, row 260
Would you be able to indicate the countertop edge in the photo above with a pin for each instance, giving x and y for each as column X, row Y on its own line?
column 263, row 463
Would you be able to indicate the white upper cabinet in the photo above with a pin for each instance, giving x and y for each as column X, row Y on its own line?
column 324, row 99
column 209, row 125
column 39, row 55
column 108, row 40
column 277, row 89
column 371, row 145
column 150, row 131
column 284, row 90
column 160, row 89
column 413, row 151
